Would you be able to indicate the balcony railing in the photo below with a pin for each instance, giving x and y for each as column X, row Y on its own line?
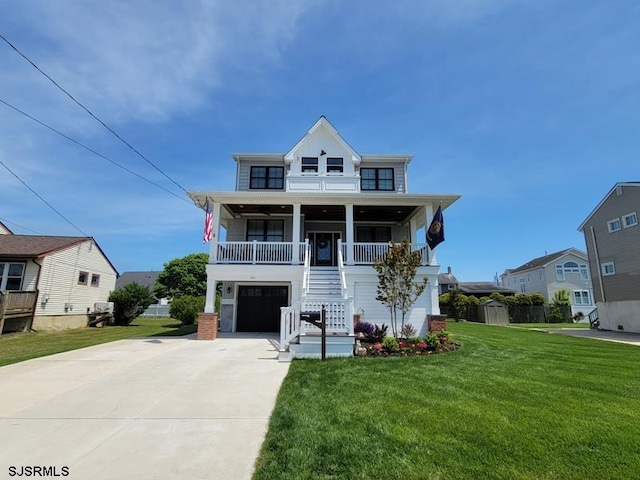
column 259, row 252
column 284, row 252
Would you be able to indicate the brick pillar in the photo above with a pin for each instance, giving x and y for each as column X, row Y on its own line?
column 437, row 323
column 207, row 326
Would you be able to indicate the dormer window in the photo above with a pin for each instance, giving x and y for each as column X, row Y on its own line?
column 270, row 178
column 335, row 165
column 309, row 164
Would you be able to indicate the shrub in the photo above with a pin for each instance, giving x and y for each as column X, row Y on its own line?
column 390, row 344
column 378, row 334
column 186, row 309
column 471, row 300
column 537, row 299
column 365, row 328
column 129, row 302
column 408, row 331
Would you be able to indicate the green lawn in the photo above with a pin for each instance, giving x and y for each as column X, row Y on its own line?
column 16, row 347
column 511, row 404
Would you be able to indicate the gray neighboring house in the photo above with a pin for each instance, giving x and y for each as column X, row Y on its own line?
column 447, row 281
column 564, row 270
column 146, row 279
column 612, row 235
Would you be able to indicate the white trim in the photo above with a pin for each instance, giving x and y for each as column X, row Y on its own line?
column 632, row 215
column 614, row 225
column 580, row 298
column 604, row 267
column 614, row 189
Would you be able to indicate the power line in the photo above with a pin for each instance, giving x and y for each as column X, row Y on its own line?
column 40, row 197
column 3, row 220
column 91, row 113
column 91, row 150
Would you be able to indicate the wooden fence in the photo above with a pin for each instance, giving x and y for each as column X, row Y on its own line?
column 520, row 313
column 17, row 309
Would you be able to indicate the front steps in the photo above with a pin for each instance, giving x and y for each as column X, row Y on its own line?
column 324, row 284
column 310, row 345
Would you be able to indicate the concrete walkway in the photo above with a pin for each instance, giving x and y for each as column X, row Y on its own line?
column 149, row 408
column 611, row 336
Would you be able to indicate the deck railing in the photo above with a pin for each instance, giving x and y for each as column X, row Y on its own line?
column 284, row 252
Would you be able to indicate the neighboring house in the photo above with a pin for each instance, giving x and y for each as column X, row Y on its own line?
column 447, row 281
column 563, row 270
column 147, row 279
column 70, row 274
column 612, row 235
column 4, row 230
column 303, row 229
column 483, row 289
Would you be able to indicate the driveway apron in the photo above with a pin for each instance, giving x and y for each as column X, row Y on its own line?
column 148, row 408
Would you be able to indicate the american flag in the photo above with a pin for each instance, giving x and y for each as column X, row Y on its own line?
column 208, row 223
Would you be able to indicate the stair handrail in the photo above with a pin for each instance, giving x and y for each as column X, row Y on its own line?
column 594, row 318
column 343, row 275
column 290, row 324
column 307, row 267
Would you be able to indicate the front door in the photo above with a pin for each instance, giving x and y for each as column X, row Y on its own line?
column 324, row 248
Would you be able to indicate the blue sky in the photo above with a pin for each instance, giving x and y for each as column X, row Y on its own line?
column 528, row 109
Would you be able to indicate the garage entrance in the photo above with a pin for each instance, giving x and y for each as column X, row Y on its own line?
column 259, row 308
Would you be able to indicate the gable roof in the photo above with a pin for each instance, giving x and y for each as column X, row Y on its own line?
column 4, row 230
column 619, row 184
column 545, row 260
column 324, row 123
column 38, row 246
column 146, row 279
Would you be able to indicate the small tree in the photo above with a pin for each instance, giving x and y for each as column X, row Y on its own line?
column 397, row 289
column 183, row 276
column 560, row 304
column 129, row 302
column 457, row 304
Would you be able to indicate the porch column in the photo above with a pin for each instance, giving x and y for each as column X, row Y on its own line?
column 210, row 299
column 428, row 217
column 349, row 230
column 295, row 234
column 413, row 229
column 213, row 253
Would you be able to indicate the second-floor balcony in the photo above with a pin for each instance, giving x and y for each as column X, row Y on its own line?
column 282, row 253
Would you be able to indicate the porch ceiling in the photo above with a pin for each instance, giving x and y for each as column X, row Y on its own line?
column 361, row 213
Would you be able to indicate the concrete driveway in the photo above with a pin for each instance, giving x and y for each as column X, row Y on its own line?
column 149, row 408
column 611, row 336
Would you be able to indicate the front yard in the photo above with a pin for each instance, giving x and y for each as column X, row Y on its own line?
column 17, row 347
column 511, row 404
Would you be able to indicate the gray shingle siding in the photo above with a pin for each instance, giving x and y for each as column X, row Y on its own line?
column 621, row 247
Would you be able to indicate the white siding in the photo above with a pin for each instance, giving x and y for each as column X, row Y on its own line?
column 4, row 230
column 59, row 280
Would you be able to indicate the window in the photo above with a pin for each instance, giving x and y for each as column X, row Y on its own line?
column 373, row 234
column 95, row 280
column 630, row 220
column 309, row 165
column 83, row 278
column 541, row 275
column 334, row 165
column 559, row 273
column 376, row 179
column 265, row 230
column 608, row 269
column 271, row 178
column 584, row 273
column 581, row 297
column 523, row 287
column 11, row 276
column 614, row 225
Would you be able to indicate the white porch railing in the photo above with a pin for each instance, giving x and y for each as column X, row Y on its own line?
column 258, row 252
column 368, row 253
column 284, row 252
column 339, row 318
column 307, row 267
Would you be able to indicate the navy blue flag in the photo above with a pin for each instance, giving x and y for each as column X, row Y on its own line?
column 435, row 234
